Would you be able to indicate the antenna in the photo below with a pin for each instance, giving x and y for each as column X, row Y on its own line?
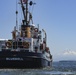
column 16, row 16
column 26, row 12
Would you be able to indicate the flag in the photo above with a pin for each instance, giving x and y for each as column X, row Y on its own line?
column 24, row 1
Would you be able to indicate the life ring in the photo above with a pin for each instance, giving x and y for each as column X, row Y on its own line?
column 36, row 29
column 8, row 44
column 26, row 44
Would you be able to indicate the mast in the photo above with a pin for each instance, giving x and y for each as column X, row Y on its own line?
column 25, row 27
column 23, row 9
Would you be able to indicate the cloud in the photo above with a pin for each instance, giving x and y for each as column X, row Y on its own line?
column 69, row 52
column 66, row 55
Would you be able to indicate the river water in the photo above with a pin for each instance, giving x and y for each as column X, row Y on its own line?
column 58, row 68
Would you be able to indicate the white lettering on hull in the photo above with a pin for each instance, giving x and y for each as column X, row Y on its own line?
column 14, row 58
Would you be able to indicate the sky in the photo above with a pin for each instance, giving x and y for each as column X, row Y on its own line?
column 57, row 17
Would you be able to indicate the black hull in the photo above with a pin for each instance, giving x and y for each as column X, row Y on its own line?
column 18, row 60
column 37, row 63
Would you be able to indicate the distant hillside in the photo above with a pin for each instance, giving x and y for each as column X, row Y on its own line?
column 67, row 61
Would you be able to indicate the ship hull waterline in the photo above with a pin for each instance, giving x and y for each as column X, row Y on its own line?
column 12, row 59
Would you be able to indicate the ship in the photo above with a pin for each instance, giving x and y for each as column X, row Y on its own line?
column 27, row 48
